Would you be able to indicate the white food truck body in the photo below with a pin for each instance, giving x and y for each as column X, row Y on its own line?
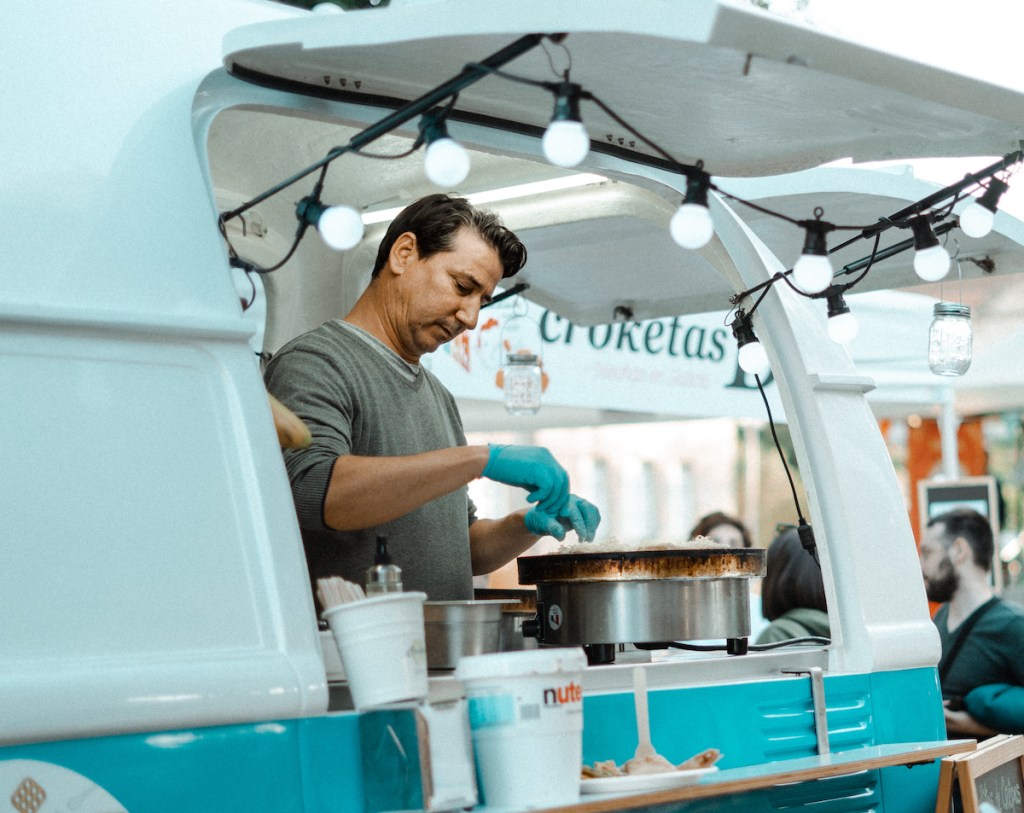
column 159, row 645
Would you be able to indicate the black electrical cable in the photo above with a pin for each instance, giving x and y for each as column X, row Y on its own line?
column 809, row 639
column 804, row 530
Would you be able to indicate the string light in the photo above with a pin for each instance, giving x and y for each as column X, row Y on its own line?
column 813, row 271
column 842, row 325
column 565, row 142
column 931, row 260
column 752, row 357
column 977, row 219
column 341, row 227
column 445, row 160
column 691, row 225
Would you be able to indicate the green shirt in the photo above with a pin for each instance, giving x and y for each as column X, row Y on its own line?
column 993, row 652
column 359, row 397
column 800, row 622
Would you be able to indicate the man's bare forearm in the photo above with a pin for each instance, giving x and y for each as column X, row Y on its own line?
column 495, row 542
column 368, row 491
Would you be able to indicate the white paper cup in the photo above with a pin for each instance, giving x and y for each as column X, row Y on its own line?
column 382, row 648
column 526, row 717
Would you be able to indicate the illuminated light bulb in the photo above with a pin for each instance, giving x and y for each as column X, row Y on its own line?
column 931, row 260
column 842, row 325
column 977, row 219
column 812, row 273
column 446, row 162
column 341, row 227
column 565, row 141
column 931, row 264
column 752, row 357
column 843, row 329
column 691, row 225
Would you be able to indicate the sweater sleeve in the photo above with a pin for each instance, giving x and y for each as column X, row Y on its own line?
column 999, row 706
column 300, row 379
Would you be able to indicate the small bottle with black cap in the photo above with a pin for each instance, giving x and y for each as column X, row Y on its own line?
column 383, row 576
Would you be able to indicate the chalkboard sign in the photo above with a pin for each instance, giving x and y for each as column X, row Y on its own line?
column 990, row 780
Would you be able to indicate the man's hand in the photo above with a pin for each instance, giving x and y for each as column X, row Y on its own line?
column 580, row 515
column 535, row 469
column 961, row 724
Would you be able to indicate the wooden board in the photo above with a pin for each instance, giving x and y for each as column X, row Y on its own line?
column 992, row 774
column 756, row 777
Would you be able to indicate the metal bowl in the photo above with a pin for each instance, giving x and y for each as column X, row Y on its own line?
column 457, row 628
column 521, row 606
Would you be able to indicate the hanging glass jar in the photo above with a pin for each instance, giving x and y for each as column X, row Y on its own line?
column 950, row 339
column 522, row 383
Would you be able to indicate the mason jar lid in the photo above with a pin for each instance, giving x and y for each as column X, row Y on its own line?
column 951, row 309
column 522, row 358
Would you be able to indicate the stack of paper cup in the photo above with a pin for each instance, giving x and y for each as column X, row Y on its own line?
column 526, row 717
column 382, row 648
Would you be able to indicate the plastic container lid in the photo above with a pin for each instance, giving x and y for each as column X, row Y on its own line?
column 546, row 661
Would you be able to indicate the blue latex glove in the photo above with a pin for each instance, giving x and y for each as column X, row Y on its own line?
column 535, row 469
column 580, row 516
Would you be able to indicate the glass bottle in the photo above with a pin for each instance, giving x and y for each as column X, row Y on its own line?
column 522, row 383
column 383, row 576
column 949, row 339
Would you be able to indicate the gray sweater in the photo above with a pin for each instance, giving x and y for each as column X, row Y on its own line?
column 359, row 397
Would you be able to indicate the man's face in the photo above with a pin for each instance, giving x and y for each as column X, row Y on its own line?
column 940, row 577
column 440, row 297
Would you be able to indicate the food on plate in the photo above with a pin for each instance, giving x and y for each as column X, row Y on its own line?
column 656, row 764
column 601, row 769
column 617, row 546
column 705, row 759
column 648, row 763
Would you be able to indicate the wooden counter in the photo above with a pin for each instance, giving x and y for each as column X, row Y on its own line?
column 755, row 777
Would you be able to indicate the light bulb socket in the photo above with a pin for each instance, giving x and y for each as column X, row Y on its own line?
column 743, row 329
column 567, row 102
column 432, row 126
column 990, row 197
column 308, row 210
column 697, row 183
column 835, row 302
column 815, row 244
column 924, row 237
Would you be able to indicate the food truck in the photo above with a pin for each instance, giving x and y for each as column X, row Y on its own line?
column 160, row 647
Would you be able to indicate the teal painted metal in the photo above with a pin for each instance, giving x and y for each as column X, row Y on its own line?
column 307, row 766
column 763, row 722
column 313, row 765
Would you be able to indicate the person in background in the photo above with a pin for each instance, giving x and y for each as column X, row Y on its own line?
column 729, row 531
column 981, row 671
column 793, row 592
column 388, row 455
column 724, row 529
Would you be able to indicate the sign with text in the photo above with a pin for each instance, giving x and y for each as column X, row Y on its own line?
column 681, row 366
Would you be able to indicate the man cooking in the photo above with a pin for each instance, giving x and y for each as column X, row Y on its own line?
column 388, row 455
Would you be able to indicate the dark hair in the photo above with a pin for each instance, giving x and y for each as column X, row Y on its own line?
column 716, row 518
column 437, row 219
column 792, row 578
column 973, row 527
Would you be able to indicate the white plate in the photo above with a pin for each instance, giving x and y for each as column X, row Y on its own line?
column 641, row 782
